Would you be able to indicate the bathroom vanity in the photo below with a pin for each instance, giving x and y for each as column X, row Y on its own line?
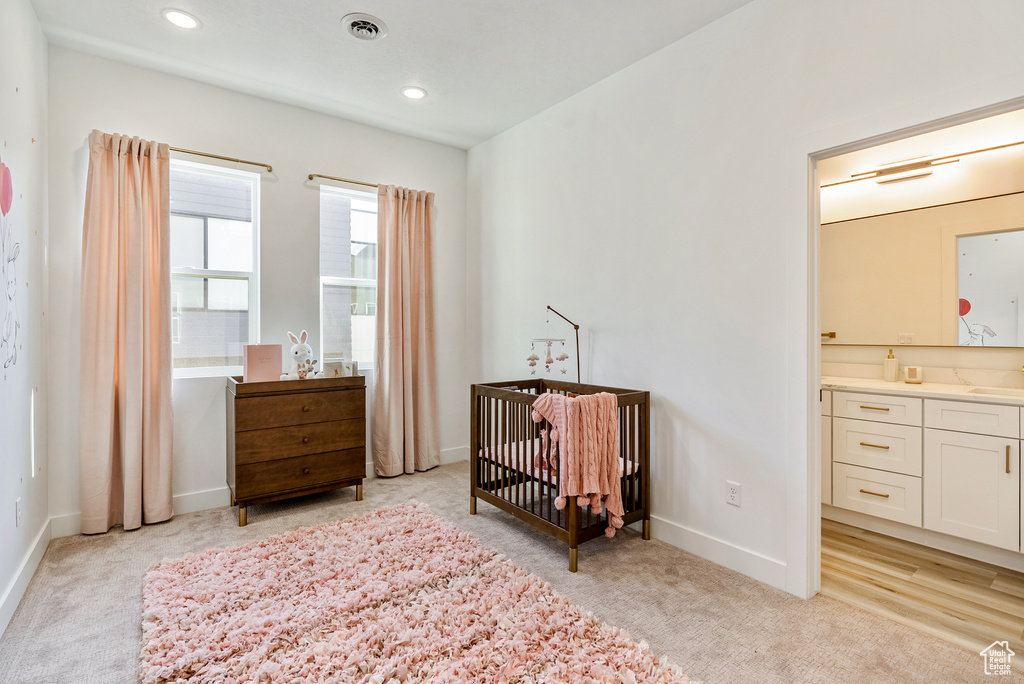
column 931, row 463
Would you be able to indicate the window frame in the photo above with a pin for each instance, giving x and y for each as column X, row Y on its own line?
column 337, row 281
column 252, row 277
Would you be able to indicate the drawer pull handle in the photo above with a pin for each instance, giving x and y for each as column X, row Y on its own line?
column 873, row 446
column 1007, row 459
column 305, row 471
column 875, row 408
column 305, row 440
column 884, row 496
column 305, row 409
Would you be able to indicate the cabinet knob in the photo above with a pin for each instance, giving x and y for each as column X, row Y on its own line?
column 305, row 440
column 305, row 471
column 305, row 409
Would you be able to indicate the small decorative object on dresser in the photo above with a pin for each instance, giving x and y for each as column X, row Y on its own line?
column 294, row 437
column 261, row 362
column 340, row 369
column 302, row 365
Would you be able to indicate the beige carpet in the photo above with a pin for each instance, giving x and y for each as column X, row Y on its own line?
column 81, row 618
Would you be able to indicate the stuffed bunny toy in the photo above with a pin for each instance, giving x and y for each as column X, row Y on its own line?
column 302, row 361
column 11, row 323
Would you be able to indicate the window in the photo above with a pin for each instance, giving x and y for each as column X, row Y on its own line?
column 348, row 275
column 214, row 257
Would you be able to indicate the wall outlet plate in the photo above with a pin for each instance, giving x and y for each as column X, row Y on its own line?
column 17, row 512
column 733, row 490
column 906, row 338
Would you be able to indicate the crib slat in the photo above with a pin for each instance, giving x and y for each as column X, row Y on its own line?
column 517, row 469
column 523, row 480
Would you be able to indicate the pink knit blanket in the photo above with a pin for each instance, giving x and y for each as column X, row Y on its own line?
column 584, row 441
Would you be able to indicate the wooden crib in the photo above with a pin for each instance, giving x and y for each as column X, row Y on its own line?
column 504, row 442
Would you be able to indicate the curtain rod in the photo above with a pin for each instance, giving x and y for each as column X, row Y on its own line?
column 268, row 167
column 343, row 180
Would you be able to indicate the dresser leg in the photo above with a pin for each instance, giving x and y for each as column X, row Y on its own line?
column 241, row 516
column 359, row 492
column 472, row 505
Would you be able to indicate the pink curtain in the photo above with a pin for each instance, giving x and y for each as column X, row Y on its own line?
column 406, row 427
column 125, row 394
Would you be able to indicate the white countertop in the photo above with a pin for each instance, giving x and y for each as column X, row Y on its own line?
column 930, row 390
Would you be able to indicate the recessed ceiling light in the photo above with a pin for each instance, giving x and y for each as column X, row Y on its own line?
column 414, row 93
column 180, row 19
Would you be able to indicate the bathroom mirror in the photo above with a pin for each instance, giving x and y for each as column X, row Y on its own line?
column 950, row 275
column 990, row 281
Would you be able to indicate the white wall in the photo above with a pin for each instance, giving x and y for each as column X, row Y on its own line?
column 667, row 208
column 23, row 150
column 88, row 92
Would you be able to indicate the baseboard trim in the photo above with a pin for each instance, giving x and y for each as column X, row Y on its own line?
column 749, row 563
column 454, row 455
column 66, row 525
column 19, row 584
column 71, row 524
column 201, row 501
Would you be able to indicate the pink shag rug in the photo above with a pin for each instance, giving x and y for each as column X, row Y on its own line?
column 397, row 595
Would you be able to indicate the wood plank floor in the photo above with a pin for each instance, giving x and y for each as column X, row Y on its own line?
column 963, row 601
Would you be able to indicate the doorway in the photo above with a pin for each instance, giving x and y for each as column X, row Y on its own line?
column 935, row 174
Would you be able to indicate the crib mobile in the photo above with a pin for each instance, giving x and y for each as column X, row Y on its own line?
column 548, row 344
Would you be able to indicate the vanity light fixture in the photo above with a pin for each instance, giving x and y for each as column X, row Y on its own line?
column 414, row 93
column 910, row 169
column 180, row 19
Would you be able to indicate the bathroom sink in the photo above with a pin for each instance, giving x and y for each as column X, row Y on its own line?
column 999, row 391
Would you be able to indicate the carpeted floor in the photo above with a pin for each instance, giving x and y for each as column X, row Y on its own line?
column 81, row 618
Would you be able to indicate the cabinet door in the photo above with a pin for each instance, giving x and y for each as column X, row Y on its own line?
column 826, row 459
column 967, row 490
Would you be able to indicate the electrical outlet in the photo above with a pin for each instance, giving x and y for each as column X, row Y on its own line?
column 732, row 493
column 17, row 512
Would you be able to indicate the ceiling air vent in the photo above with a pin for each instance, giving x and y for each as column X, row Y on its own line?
column 364, row 26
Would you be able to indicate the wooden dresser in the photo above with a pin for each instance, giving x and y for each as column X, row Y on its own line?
column 294, row 437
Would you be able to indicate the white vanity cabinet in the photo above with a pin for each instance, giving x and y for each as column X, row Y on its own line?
column 971, row 480
column 932, row 458
column 826, row 447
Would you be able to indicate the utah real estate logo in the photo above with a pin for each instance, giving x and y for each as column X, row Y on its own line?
column 997, row 658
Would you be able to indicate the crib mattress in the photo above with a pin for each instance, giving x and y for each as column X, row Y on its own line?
column 519, row 457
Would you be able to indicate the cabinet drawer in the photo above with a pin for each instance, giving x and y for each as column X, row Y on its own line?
column 826, row 402
column 896, row 448
column 254, row 446
column 302, row 471
column 253, row 413
column 969, row 416
column 878, row 407
column 875, row 492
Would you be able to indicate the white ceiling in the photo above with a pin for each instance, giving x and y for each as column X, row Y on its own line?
column 486, row 64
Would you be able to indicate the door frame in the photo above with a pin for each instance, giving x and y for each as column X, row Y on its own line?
column 804, row 574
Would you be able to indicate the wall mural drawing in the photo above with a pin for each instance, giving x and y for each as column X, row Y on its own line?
column 11, row 249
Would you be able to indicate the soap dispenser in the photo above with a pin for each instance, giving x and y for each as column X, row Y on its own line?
column 891, row 368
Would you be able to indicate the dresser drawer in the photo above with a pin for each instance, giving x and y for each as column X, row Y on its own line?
column 896, row 448
column 271, row 477
column 875, row 492
column 253, row 413
column 254, row 446
column 877, row 407
column 970, row 416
